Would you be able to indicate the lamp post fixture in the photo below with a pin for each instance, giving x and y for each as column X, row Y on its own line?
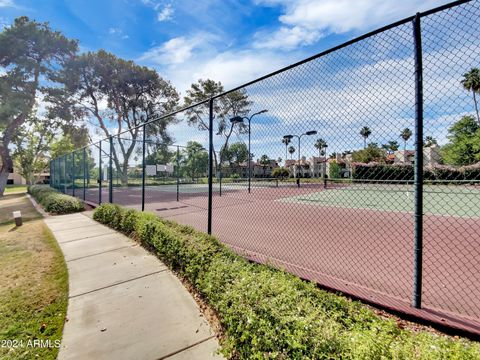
column 290, row 137
column 238, row 120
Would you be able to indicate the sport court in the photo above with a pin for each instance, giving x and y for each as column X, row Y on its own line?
column 356, row 238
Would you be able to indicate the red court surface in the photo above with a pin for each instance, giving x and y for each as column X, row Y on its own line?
column 364, row 253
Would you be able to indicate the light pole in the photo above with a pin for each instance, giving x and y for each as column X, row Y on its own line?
column 290, row 137
column 238, row 120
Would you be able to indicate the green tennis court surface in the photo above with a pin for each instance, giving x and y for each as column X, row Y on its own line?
column 438, row 200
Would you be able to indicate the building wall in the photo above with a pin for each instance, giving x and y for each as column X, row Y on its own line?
column 16, row 179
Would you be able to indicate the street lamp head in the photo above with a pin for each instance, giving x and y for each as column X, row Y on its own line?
column 236, row 120
column 289, row 137
column 312, row 132
column 263, row 111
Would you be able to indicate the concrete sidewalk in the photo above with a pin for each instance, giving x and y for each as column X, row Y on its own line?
column 123, row 302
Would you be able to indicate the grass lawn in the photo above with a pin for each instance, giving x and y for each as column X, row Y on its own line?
column 12, row 189
column 33, row 284
column 13, row 202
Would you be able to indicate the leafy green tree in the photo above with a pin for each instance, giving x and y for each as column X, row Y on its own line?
column 280, row 173
column 365, row 132
column 131, row 94
column 31, row 149
column 406, row 134
column 235, row 103
column 464, row 145
column 286, row 141
column 32, row 56
column 264, row 162
column 371, row 153
column 334, row 170
column 62, row 146
column 194, row 160
column 237, row 153
column 471, row 82
column 158, row 154
column 291, row 151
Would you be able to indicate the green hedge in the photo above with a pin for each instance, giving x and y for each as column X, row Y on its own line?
column 267, row 313
column 405, row 172
column 53, row 201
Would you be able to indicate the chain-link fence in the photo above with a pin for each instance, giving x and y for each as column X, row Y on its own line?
column 358, row 168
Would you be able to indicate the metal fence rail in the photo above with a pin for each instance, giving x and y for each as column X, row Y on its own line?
column 345, row 168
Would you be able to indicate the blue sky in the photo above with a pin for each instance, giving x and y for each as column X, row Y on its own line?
column 188, row 39
column 236, row 41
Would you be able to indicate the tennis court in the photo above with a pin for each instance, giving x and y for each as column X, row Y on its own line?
column 453, row 200
column 345, row 113
column 354, row 238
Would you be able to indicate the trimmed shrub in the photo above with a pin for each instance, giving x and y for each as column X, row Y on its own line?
column 269, row 314
column 335, row 169
column 405, row 172
column 55, row 202
column 376, row 171
column 280, row 173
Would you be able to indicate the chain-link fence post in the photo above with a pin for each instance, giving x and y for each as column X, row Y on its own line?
column 54, row 169
column 73, row 177
column 143, row 167
column 99, row 172
column 110, row 173
column 84, row 172
column 418, row 246
column 65, row 173
column 178, row 172
column 52, row 163
column 210, row 167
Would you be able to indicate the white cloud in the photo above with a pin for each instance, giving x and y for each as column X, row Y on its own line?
column 174, row 51
column 232, row 68
column 165, row 14
column 304, row 21
column 286, row 38
column 236, row 67
column 7, row 3
column 114, row 31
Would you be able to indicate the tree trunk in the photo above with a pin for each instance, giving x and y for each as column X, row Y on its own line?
column 3, row 179
column 6, row 159
column 124, row 174
column 476, row 106
column 5, row 156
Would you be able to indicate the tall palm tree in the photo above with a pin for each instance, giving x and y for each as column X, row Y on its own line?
column 321, row 144
column 406, row 134
column 286, row 141
column 264, row 161
column 429, row 141
column 391, row 146
column 365, row 132
column 471, row 82
column 291, row 150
